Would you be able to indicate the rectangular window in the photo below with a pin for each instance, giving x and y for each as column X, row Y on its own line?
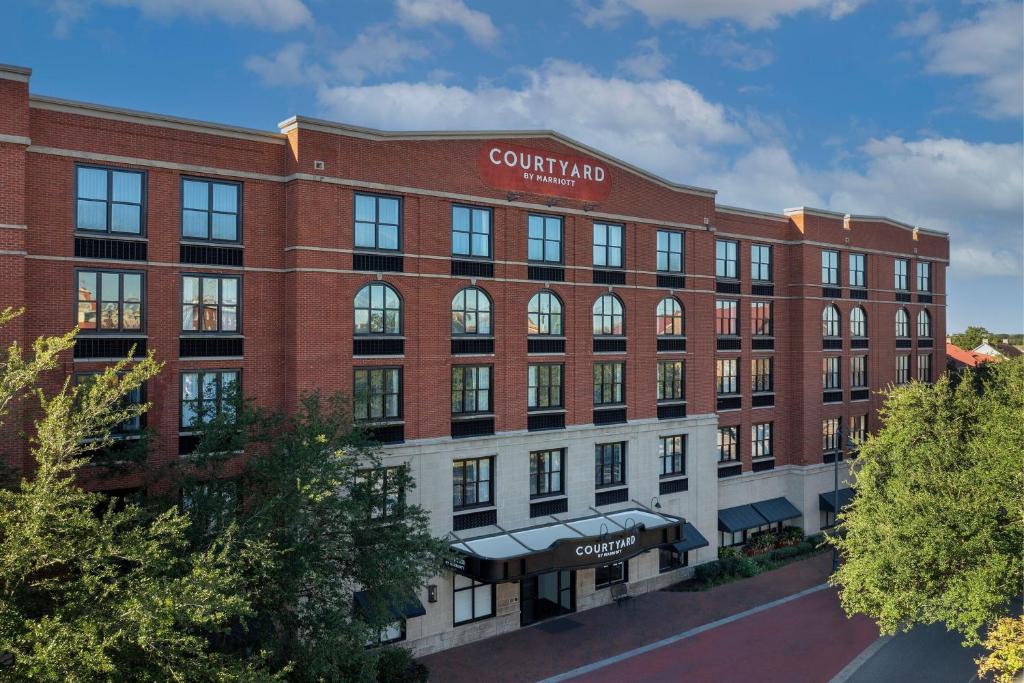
column 671, row 381
column 210, row 303
column 728, row 540
column 859, row 372
column 924, row 367
column 471, row 389
column 728, row 444
column 378, row 222
column 830, row 267
column 761, row 318
column 900, row 272
column 672, row 453
column 669, row 558
column 110, row 301
column 471, row 231
column 544, row 386
column 670, row 251
column 858, row 429
column 857, row 270
column 830, row 435
column 608, row 245
column 725, row 259
column 761, row 262
column 610, row 464
column 726, row 318
column 378, row 394
column 382, row 485
column 902, row 369
column 609, row 384
column 924, row 276
column 135, row 397
column 761, row 381
column 830, row 373
column 544, row 239
column 472, row 600
column 210, row 210
column 472, row 482
column 727, row 381
column 110, row 200
column 761, row 440
column 611, row 574
column 208, row 393
column 546, row 469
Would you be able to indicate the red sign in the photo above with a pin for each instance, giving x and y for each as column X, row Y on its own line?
column 521, row 169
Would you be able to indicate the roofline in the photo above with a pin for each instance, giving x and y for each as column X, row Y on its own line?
column 824, row 213
column 349, row 130
column 752, row 212
column 12, row 72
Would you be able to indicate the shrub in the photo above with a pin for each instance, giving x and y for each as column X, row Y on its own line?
column 709, row 572
column 725, row 553
column 396, row 665
column 788, row 552
column 761, row 543
column 815, row 539
column 791, row 535
column 805, row 547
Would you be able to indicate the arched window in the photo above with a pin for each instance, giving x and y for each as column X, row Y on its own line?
column 545, row 314
column 670, row 319
column 902, row 323
column 378, row 310
column 471, row 312
column 924, row 325
column 858, row 323
column 830, row 322
column 607, row 315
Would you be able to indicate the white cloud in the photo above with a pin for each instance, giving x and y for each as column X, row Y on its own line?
column 754, row 14
column 275, row 15
column 377, row 51
column 738, row 54
column 288, row 66
column 477, row 25
column 923, row 24
column 648, row 63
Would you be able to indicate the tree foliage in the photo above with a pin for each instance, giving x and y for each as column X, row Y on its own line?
column 971, row 338
column 936, row 530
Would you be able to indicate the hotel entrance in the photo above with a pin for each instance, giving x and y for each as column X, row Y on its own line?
column 546, row 595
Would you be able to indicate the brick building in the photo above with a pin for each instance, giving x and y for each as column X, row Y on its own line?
column 637, row 373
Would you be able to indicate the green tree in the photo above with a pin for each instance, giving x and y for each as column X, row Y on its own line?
column 936, row 530
column 971, row 337
column 89, row 591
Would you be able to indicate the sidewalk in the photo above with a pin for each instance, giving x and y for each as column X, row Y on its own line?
column 531, row 654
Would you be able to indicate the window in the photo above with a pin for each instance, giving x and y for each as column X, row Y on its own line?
column 830, row 373
column 546, row 472
column 669, row 316
column 471, row 231
column 206, row 394
column 378, row 394
column 902, row 369
column 858, row 429
column 110, row 200
column 109, row 301
column 902, row 323
column 472, row 483
column 610, row 464
column 830, row 267
column 730, row 539
column 608, row 315
column 669, row 558
column 383, row 487
column 209, row 303
column 726, row 318
column 761, row 440
column 761, row 318
column 900, row 272
column 610, row 574
column 761, row 375
column 471, row 389
column 830, row 435
column 670, row 251
column 544, row 314
column 378, row 222
column 607, row 245
column 761, row 262
column 135, row 397
column 608, row 384
column 672, row 453
column 859, row 372
column 210, row 210
column 390, row 633
column 924, row 367
column 858, row 322
column 725, row 259
column 857, row 270
column 671, row 381
column 924, row 276
column 830, row 326
column 727, row 376
column 544, row 387
column 728, row 444
column 472, row 600
column 378, row 310
column 924, row 325
column 544, row 241
column 471, row 312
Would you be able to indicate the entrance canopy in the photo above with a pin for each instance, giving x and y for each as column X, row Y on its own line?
column 826, row 503
column 757, row 514
column 591, row 541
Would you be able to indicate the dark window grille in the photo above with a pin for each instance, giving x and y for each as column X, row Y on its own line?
column 378, row 347
column 387, row 433
column 671, row 343
column 730, row 471
column 859, row 343
column 102, row 248
column 832, row 397
column 834, row 344
column 609, row 277
column 831, row 292
column 924, row 343
column 187, row 443
column 762, row 343
column 673, row 486
column 602, row 345
column 859, row 394
column 903, row 296
column 727, row 287
column 762, row 290
column 612, row 416
column 672, row 281
column 549, row 507
column 903, row 344
column 472, row 268
column 211, row 256
column 117, row 347
column 207, row 347
column 671, row 411
column 729, row 402
column 924, row 298
column 479, row 427
column 537, row 423
column 542, row 345
column 546, row 273
column 763, row 465
column 728, row 344
column 610, row 497
column 474, row 520
column 762, row 400
column 858, row 294
column 469, row 345
column 830, row 456
column 378, row 263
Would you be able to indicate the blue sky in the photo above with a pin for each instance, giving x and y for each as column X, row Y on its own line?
column 907, row 109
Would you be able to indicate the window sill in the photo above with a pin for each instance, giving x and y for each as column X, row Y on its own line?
column 463, row 417
column 478, row 507
column 546, row 411
column 199, row 242
column 110, row 235
column 673, row 476
column 728, row 463
column 549, row 496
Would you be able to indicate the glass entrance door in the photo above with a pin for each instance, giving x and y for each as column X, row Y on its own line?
column 547, row 595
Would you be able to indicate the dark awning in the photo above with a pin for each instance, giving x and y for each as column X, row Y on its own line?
column 691, row 539
column 739, row 518
column 776, row 509
column 398, row 608
column 826, row 502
